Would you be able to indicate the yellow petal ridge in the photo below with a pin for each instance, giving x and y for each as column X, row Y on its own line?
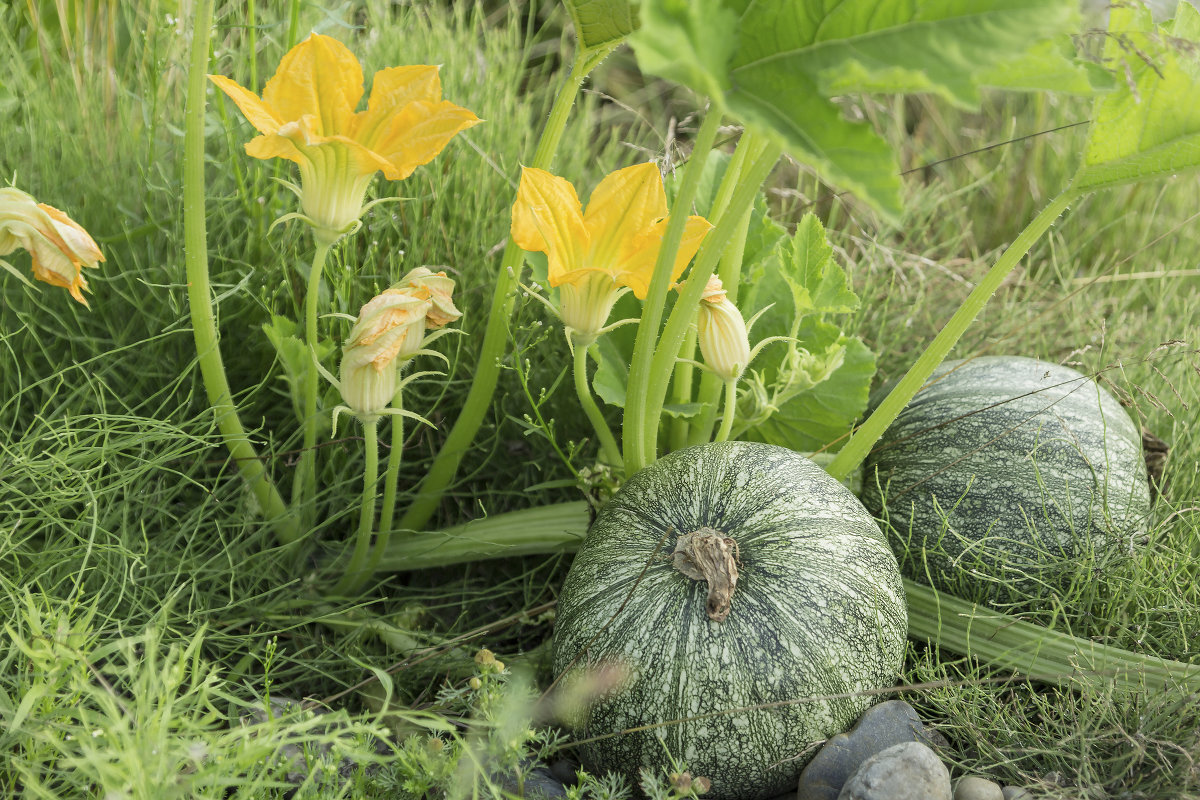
column 321, row 77
column 256, row 112
column 623, row 205
column 547, row 218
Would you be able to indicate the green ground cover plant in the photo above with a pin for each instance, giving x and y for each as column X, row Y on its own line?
column 152, row 603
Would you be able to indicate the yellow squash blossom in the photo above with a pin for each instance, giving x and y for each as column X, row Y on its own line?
column 724, row 340
column 307, row 114
column 596, row 254
column 60, row 247
column 389, row 330
column 442, row 310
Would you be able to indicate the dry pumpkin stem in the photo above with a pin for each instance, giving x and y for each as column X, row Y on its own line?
column 709, row 555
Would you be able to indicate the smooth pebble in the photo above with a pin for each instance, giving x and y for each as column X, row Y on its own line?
column 907, row 771
column 1016, row 793
column 974, row 788
column 883, row 725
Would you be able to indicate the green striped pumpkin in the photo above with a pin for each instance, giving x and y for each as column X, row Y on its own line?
column 1008, row 468
column 818, row 612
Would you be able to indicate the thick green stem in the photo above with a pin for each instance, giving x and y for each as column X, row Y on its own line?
column 1001, row 640
column 356, row 572
column 556, row 528
column 640, row 431
column 609, row 450
column 304, row 487
column 1007, row 642
column 681, row 390
column 199, row 290
column 685, row 306
column 730, row 411
column 495, row 338
column 860, row 444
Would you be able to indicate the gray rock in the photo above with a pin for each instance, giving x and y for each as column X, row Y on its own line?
column 907, row 771
column 565, row 771
column 883, row 725
column 1016, row 793
column 973, row 788
column 539, row 782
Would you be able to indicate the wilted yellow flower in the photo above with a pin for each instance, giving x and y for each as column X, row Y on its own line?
column 593, row 255
column 390, row 329
column 59, row 246
column 724, row 340
column 306, row 114
column 442, row 310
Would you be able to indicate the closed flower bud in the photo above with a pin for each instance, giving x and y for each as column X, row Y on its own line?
column 440, row 287
column 389, row 330
column 724, row 341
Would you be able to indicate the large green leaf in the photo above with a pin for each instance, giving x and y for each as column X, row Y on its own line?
column 775, row 63
column 601, row 23
column 1150, row 126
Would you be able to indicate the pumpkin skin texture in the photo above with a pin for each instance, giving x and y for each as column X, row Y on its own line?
column 818, row 610
column 1013, row 469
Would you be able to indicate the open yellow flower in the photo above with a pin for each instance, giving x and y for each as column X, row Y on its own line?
column 306, row 114
column 595, row 255
column 60, row 247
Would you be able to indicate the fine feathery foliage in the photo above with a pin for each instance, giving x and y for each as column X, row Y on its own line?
column 138, row 583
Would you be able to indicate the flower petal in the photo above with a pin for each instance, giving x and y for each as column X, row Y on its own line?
column 418, row 133
column 258, row 113
column 321, row 77
column 391, row 90
column 637, row 264
column 80, row 246
column 623, row 205
column 274, row 146
column 546, row 218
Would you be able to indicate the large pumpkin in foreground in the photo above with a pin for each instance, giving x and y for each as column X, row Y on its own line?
column 1003, row 473
column 723, row 577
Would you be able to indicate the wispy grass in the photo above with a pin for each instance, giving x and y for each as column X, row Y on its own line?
column 119, row 516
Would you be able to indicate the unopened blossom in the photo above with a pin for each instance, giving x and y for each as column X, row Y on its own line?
column 389, row 330
column 724, row 340
column 307, row 114
column 595, row 255
column 440, row 286
column 60, row 247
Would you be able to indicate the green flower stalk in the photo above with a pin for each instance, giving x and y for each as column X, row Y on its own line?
column 204, row 327
column 495, row 338
column 306, row 115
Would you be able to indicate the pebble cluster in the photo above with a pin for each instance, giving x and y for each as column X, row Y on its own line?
column 889, row 754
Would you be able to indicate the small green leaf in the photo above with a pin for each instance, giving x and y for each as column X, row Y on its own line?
column 683, row 410
column 601, row 24
column 1150, row 126
column 294, row 356
column 817, row 283
column 612, row 372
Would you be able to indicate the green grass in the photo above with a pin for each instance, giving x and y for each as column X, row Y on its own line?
column 125, row 537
